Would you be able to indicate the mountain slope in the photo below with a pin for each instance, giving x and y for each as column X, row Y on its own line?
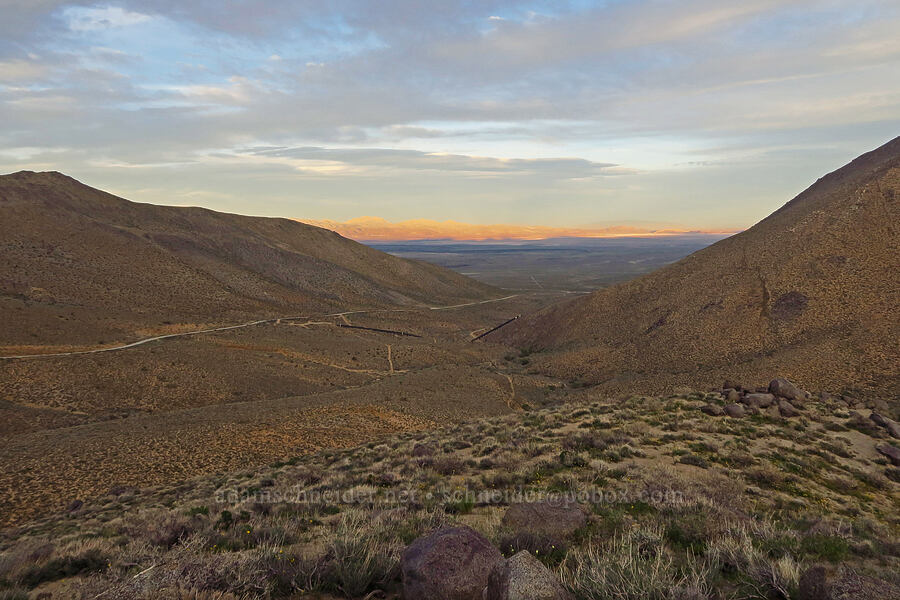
column 80, row 266
column 810, row 292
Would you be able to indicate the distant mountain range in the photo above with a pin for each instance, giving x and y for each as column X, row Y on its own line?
column 78, row 265
column 812, row 292
column 378, row 229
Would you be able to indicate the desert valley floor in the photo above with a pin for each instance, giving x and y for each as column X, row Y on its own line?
column 181, row 407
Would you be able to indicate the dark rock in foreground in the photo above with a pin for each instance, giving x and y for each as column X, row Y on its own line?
column 450, row 564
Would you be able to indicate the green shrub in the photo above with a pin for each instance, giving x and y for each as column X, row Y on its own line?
column 829, row 547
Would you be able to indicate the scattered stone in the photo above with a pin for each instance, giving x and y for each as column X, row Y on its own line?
column 713, row 410
column 552, row 518
column 759, row 400
column 785, row 389
column 523, row 577
column 732, row 396
column 452, row 563
column 891, row 452
column 735, row 411
column 787, row 409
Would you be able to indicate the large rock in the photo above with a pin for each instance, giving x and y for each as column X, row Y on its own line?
column 787, row 409
column 892, row 453
column 817, row 584
column 713, row 410
column 759, row 400
column 890, row 425
column 735, row 411
column 785, row 389
column 450, row 564
column 557, row 519
column 523, row 577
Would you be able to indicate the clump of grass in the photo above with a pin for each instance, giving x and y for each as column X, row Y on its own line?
column 832, row 548
column 364, row 554
column 634, row 566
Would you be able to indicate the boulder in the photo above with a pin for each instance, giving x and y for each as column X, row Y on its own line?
column 713, row 410
column 786, row 409
column 523, row 577
column 452, row 563
column 891, row 452
column 735, row 411
column 785, row 389
column 550, row 518
column 759, row 400
column 732, row 396
column 890, row 425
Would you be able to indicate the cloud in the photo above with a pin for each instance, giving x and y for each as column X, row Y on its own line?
column 507, row 103
column 83, row 19
column 377, row 159
column 20, row 70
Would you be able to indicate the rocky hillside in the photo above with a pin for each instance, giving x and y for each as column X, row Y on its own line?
column 80, row 266
column 811, row 291
column 730, row 494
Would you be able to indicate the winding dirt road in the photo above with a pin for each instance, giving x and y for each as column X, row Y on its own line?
column 158, row 338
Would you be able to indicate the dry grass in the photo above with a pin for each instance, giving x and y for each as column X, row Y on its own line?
column 763, row 507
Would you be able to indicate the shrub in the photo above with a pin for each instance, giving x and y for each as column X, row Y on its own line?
column 695, row 460
column 90, row 561
column 832, row 548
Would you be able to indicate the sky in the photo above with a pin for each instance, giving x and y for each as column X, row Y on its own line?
column 572, row 113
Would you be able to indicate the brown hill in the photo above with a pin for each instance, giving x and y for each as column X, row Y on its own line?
column 812, row 292
column 80, row 266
